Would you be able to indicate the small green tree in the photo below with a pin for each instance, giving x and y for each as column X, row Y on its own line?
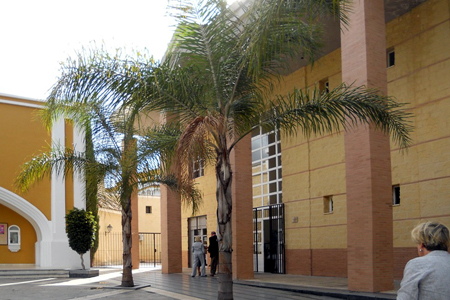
column 80, row 228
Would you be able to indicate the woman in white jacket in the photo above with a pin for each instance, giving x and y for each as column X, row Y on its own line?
column 199, row 257
column 427, row 277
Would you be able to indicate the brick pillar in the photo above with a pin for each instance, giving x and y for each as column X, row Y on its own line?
column 170, row 231
column 242, row 214
column 135, row 231
column 368, row 167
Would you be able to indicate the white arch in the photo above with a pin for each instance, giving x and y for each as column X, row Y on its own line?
column 36, row 218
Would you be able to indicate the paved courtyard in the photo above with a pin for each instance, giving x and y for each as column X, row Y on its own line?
column 151, row 285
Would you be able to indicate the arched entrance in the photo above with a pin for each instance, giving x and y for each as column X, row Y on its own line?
column 37, row 219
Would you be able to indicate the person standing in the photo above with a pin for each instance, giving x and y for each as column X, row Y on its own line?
column 199, row 257
column 213, row 250
column 427, row 277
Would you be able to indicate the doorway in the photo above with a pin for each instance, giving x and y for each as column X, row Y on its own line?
column 268, row 241
column 196, row 227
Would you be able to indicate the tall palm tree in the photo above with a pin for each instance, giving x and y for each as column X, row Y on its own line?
column 217, row 82
column 92, row 91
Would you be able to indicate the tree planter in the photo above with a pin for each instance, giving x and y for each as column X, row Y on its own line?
column 83, row 273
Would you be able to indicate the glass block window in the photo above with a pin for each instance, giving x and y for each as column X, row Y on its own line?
column 266, row 167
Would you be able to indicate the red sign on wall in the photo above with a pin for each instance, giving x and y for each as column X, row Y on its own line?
column 3, row 234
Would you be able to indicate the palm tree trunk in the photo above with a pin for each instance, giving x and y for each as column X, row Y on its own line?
column 224, row 207
column 127, row 275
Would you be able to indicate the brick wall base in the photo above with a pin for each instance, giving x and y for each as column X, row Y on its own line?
column 185, row 258
column 329, row 262
column 317, row 262
column 298, row 261
column 401, row 256
column 333, row 262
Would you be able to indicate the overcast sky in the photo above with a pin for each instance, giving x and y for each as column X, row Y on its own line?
column 36, row 35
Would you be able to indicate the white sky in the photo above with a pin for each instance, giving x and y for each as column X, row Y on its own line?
column 36, row 35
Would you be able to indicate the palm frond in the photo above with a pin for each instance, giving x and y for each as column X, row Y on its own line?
column 95, row 74
column 162, row 141
column 62, row 161
column 277, row 30
column 343, row 107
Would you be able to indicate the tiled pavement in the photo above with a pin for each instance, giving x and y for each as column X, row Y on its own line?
column 151, row 284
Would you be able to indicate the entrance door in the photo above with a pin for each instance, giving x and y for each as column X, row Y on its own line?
column 196, row 227
column 268, row 242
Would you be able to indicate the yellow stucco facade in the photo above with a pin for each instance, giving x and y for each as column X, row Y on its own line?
column 25, row 136
column 38, row 213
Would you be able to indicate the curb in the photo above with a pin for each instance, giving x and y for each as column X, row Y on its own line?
column 340, row 294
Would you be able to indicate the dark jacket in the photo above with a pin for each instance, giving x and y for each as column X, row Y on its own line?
column 213, row 248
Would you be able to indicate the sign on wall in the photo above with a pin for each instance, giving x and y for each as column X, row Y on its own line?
column 3, row 234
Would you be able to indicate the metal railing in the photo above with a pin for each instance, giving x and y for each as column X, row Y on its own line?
column 149, row 248
column 110, row 249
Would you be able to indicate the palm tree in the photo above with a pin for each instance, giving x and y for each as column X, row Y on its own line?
column 91, row 92
column 217, row 84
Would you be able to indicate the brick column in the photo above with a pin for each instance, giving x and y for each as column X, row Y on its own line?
column 242, row 214
column 368, row 167
column 135, row 231
column 170, row 231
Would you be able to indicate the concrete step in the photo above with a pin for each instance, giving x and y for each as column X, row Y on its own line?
column 35, row 273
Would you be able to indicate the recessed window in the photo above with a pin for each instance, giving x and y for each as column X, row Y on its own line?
column 328, row 204
column 198, row 168
column 396, row 195
column 148, row 209
column 390, row 56
column 14, row 238
column 324, row 85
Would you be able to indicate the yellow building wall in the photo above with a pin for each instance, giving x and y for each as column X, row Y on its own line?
column 26, row 254
column 110, row 243
column 68, row 128
column 314, row 167
column 149, row 222
column 420, row 77
column 24, row 137
column 208, row 207
column 110, row 247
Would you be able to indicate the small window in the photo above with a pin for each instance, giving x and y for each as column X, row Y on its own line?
column 198, row 168
column 324, row 85
column 328, row 204
column 390, row 56
column 148, row 209
column 14, row 238
column 396, row 195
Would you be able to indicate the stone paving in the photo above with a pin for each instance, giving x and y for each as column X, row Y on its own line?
column 152, row 284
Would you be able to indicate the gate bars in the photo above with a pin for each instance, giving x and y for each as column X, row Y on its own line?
column 110, row 250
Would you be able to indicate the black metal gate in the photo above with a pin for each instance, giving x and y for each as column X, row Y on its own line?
column 110, row 250
column 268, row 241
column 149, row 249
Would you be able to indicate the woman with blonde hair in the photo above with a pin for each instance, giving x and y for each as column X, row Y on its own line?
column 199, row 256
column 427, row 277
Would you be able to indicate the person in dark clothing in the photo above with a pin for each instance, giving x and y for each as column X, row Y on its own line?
column 213, row 250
